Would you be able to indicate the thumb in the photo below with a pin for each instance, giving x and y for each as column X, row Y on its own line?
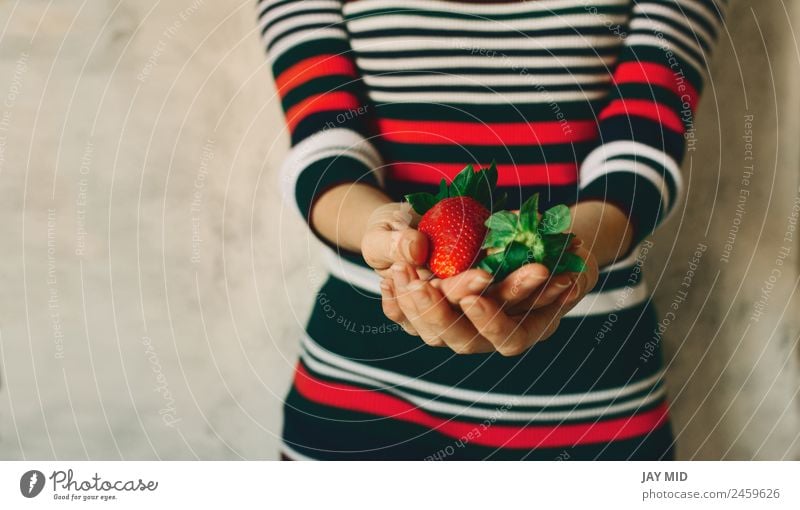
column 383, row 247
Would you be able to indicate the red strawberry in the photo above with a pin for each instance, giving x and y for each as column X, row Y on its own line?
column 454, row 219
column 455, row 227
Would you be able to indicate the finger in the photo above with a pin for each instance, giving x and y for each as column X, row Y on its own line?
column 542, row 323
column 392, row 309
column 382, row 247
column 404, row 276
column 547, row 295
column 521, row 285
column 437, row 321
column 471, row 282
column 584, row 281
column 507, row 335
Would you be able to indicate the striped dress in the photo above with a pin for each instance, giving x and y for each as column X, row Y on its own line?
column 574, row 99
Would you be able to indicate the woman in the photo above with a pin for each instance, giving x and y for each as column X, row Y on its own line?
column 585, row 102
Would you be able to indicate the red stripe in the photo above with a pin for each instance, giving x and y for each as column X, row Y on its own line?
column 652, row 110
column 329, row 101
column 553, row 174
column 656, row 74
column 314, row 67
column 353, row 398
column 475, row 133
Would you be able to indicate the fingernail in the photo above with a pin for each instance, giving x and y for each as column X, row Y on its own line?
column 474, row 305
column 574, row 294
column 562, row 284
column 532, row 280
column 420, row 291
column 478, row 283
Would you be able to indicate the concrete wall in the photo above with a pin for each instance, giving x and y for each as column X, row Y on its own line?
column 153, row 286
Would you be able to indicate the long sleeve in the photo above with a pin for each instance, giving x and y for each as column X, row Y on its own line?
column 645, row 125
column 322, row 97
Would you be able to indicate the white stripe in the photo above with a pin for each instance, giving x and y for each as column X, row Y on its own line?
column 702, row 11
column 678, row 17
column 405, row 20
column 294, row 454
column 625, row 263
column 486, row 80
column 360, row 276
column 633, row 149
column 652, row 40
column 629, row 166
column 290, row 41
column 462, row 7
column 670, row 32
column 598, row 157
column 332, row 142
column 481, row 46
column 488, row 97
column 300, row 7
column 385, row 377
column 517, row 63
column 594, row 303
column 608, row 301
column 298, row 20
column 482, row 413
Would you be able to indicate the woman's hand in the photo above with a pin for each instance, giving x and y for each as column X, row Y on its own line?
column 512, row 326
column 390, row 237
column 512, row 315
column 469, row 316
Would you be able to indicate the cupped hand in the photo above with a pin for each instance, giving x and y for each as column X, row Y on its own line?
column 423, row 310
column 512, row 326
column 470, row 315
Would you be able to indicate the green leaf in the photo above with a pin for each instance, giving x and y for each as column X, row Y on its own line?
column 570, row 263
column 517, row 255
column 529, row 213
column 443, row 190
column 500, row 203
column 421, row 202
column 497, row 239
column 491, row 263
column 556, row 244
column 503, row 221
column 485, row 184
column 555, row 220
column 463, row 183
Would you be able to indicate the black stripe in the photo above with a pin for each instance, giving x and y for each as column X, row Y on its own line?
column 326, row 433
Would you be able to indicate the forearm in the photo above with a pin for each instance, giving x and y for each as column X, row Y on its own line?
column 340, row 214
column 603, row 228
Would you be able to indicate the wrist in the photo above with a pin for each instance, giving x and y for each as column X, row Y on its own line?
column 340, row 214
column 604, row 229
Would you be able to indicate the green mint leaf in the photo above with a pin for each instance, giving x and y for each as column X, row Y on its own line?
column 491, row 263
column 421, row 202
column 497, row 239
column 570, row 263
column 517, row 255
column 556, row 244
column 529, row 213
column 555, row 220
column 503, row 221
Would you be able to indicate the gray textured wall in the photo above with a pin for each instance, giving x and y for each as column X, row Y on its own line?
column 153, row 286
